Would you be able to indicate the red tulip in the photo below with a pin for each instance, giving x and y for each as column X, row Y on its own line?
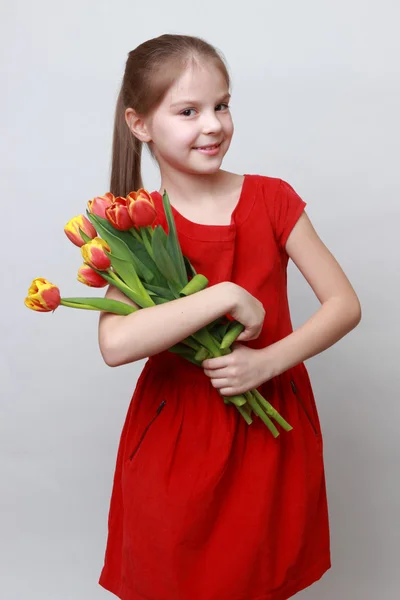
column 98, row 205
column 118, row 215
column 141, row 208
column 94, row 255
column 43, row 296
column 72, row 230
column 91, row 278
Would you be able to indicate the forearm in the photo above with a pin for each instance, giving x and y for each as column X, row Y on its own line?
column 334, row 319
column 152, row 330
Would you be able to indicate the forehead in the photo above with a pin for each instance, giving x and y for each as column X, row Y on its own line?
column 198, row 83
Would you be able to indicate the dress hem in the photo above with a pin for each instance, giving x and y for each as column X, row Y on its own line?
column 313, row 575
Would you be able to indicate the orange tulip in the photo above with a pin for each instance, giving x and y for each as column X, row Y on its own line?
column 72, row 229
column 141, row 208
column 98, row 205
column 94, row 255
column 43, row 296
column 118, row 215
column 91, row 278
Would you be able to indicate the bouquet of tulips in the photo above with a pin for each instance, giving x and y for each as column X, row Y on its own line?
column 121, row 246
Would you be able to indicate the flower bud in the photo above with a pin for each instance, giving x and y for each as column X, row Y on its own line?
column 91, row 278
column 72, row 229
column 94, row 255
column 43, row 296
column 98, row 205
column 118, row 215
column 141, row 208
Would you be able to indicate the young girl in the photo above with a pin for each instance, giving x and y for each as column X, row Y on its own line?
column 204, row 506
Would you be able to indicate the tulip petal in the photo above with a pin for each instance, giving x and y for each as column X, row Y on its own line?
column 90, row 277
column 43, row 296
column 73, row 227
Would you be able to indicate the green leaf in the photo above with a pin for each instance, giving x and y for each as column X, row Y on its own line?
column 160, row 291
column 173, row 245
column 126, row 271
column 162, row 258
column 85, row 237
column 121, row 257
column 132, row 294
column 175, row 288
column 220, row 330
column 190, row 270
column 117, row 246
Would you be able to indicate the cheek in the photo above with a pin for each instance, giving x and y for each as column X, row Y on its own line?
column 176, row 137
column 229, row 127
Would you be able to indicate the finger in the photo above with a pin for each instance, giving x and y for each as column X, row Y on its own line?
column 217, row 374
column 220, row 383
column 215, row 363
column 228, row 391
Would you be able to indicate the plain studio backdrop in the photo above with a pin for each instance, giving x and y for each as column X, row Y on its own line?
column 316, row 96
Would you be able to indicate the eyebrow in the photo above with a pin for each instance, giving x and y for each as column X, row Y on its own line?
column 191, row 101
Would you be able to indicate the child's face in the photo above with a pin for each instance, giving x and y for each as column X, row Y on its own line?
column 201, row 118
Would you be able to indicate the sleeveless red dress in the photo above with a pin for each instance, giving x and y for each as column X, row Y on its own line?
column 204, row 506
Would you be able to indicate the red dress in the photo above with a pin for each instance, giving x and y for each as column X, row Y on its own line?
column 204, row 506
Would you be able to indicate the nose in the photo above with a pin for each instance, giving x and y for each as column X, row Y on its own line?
column 211, row 123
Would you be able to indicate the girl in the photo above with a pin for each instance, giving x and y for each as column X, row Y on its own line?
column 204, row 506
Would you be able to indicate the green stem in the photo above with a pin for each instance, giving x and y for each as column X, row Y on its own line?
column 203, row 337
column 136, row 234
column 104, row 304
column 245, row 415
column 133, row 295
column 259, row 411
column 147, row 242
column 271, row 411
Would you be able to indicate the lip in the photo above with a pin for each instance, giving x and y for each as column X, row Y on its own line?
column 207, row 146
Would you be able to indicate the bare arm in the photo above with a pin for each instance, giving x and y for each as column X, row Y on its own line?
column 148, row 331
column 340, row 311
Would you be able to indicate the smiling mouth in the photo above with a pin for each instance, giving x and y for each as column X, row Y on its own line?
column 207, row 147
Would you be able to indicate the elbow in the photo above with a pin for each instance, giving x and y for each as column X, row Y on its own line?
column 113, row 354
column 354, row 313
column 109, row 356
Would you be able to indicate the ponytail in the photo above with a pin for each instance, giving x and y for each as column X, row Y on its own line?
column 126, row 155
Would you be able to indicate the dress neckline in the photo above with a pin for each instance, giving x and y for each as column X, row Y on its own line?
column 213, row 232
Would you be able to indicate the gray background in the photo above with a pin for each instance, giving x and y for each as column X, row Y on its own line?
column 315, row 101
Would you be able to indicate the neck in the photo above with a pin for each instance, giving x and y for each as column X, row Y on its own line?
column 192, row 187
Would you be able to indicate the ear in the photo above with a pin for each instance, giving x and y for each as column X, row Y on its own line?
column 137, row 125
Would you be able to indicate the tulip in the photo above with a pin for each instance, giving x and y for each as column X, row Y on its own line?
column 72, row 230
column 94, row 254
column 43, row 296
column 141, row 208
column 98, row 205
column 118, row 215
column 90, row 277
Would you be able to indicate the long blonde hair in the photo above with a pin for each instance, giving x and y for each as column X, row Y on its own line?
column 150, row 71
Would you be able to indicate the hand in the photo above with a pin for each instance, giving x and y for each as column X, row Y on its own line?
column 248, row 310
column 242, row 370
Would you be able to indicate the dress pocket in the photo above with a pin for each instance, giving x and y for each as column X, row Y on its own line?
column 303, row 406
column 159, row 409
